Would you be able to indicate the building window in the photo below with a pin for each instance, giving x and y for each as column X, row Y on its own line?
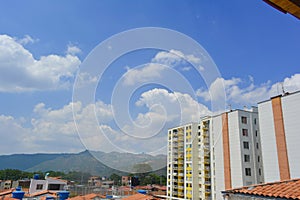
column 254, row 120
column 248, row 171
column 257, row 145
column 259, row 171
column 39, row 186
column 256, row 133
column 245, row 132
column 258, row 158
column 244, row 120
column 247, row 158
column 246, row 145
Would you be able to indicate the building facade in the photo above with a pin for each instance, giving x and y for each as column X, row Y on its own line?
column 182, row 168
column 279, row 127
column 218, row 153
column 236, row 158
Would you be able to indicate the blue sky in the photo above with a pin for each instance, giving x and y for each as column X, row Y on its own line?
column 43, row 43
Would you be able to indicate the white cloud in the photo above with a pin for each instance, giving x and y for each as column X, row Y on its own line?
column 161, row 61
column 20, row 71
column 143, row 74
column 73, row 50
column 250, row 94
column 186, row 68
column 174, row 57
column 201, row 68
column 54, row 130
column 27, row 39
column 177, row 105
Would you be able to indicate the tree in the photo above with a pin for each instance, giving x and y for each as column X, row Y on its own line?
column 142, row 168
column 116, row 178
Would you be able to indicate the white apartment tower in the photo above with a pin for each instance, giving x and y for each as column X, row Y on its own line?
column 280, row 136
column 235, row 150
column 218, row 153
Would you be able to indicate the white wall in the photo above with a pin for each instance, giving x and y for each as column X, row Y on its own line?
column 235, row 150
column 34, row 183
column 217, row 157
column 268, row 142
column 291, row 116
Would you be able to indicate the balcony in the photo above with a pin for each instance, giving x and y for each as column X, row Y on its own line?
column 180, row 187
column 207, row 183
column 180, row 181
column 180, row 194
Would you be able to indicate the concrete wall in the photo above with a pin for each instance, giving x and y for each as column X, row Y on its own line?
column 268, row 142
column 291, row 118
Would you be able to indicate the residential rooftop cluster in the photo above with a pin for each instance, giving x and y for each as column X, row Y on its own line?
column 51, row 188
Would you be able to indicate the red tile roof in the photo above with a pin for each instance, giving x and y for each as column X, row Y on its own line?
column 43, row 192
column 6, row 192
column 289, row 189
column 87, row 197
column 139, row 197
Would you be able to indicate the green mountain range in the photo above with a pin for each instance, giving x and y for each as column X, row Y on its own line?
column 83, row 162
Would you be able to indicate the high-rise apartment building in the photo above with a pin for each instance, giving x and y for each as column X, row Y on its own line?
column 235, row 150
column 280, row 136
column 218, row 153
column 189, row 162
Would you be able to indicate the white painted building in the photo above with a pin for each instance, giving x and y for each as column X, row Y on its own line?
column 280, row 136
column 218, row 153
column 47, row 184
column 235, row 150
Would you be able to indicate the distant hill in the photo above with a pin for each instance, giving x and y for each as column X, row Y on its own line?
column 82, row 161
column 25, row 161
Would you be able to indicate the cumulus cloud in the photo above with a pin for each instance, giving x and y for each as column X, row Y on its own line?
column 54, row 130
column 143, row 74
column 250, row 94
column 173, row 57
column 158, row 65
column 178, row 108
column 73, row 50
column 20, row 71
column 26, row 39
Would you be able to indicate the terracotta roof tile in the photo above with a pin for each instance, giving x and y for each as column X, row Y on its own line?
column 87, row 197
column 9, row 191
column 289, row 189
column 139, row 197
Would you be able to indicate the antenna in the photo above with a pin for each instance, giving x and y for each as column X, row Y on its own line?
column 282, row 87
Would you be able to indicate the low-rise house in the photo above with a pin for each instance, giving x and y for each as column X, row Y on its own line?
column 51, row 184
column 126, row 180
column 5, row 185
column 94, row 181
column 288, row 189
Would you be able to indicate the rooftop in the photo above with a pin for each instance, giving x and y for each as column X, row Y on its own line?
column 139, row 196
column 286, row 6
column 289, row 189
